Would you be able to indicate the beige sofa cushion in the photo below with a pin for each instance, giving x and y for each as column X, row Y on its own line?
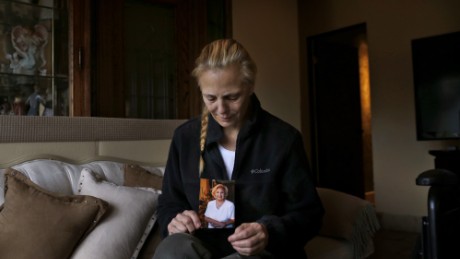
column 36, row 223
column 349, row 218
column 137, row 176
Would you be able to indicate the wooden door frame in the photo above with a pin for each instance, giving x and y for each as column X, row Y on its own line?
column 312, row 100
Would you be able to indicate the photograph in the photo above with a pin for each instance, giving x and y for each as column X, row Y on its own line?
column 217, row 207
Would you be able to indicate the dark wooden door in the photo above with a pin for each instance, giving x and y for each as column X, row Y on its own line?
column 336, row 107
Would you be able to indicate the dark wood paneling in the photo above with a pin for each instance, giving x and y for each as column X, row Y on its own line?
column 108, row 53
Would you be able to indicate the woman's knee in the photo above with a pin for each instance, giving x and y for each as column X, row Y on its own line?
column 181, row 245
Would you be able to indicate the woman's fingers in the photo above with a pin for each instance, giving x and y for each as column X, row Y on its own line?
column 185, row 222
column 249, row 238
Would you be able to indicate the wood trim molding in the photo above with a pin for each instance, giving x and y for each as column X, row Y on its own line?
column 64, row 129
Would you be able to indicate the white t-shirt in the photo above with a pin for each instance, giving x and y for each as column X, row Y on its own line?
column 229, row 160
column 224, row 213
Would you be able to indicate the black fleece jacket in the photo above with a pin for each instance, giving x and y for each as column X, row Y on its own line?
column 273, row 182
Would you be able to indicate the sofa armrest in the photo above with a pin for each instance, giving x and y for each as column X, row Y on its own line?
column 350, row 218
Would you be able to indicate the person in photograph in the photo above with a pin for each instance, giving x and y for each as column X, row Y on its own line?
column 278, row 209
column 220, row 212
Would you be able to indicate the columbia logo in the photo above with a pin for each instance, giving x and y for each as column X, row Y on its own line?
column 260, row 171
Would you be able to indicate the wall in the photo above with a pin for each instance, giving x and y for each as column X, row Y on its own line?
column 268, row 29
column 391, row 25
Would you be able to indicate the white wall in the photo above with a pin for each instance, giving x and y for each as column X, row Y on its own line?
column 268, row 29
column 391, row 25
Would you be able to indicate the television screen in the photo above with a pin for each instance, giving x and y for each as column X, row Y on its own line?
column 436, row 68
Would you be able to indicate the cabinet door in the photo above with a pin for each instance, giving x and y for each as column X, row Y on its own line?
column 34, row 64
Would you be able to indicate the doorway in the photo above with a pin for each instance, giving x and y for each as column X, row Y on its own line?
column 340, row 111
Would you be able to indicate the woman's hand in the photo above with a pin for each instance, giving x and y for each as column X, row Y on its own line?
column 184, row 222
column 249, row 238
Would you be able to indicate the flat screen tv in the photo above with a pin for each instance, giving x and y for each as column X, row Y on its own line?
column 436, row 71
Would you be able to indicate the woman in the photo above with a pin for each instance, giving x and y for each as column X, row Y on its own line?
column 220, row 212
column 277, row 208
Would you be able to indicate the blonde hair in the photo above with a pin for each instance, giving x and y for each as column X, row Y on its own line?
column 223, row 187
column 221, row 54
column 203, row 134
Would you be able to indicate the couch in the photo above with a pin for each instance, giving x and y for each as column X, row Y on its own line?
column 52, row 207
column 349, row 225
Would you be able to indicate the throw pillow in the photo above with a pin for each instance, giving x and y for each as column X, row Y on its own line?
column 131, row 216
column 35, row 223
column 137, row 176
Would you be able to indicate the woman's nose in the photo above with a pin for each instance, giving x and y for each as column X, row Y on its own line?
column 221, row 106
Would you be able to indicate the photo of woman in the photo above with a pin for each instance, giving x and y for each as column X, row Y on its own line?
column 220, row 212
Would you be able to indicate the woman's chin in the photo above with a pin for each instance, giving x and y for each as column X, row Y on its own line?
column 225, row 123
